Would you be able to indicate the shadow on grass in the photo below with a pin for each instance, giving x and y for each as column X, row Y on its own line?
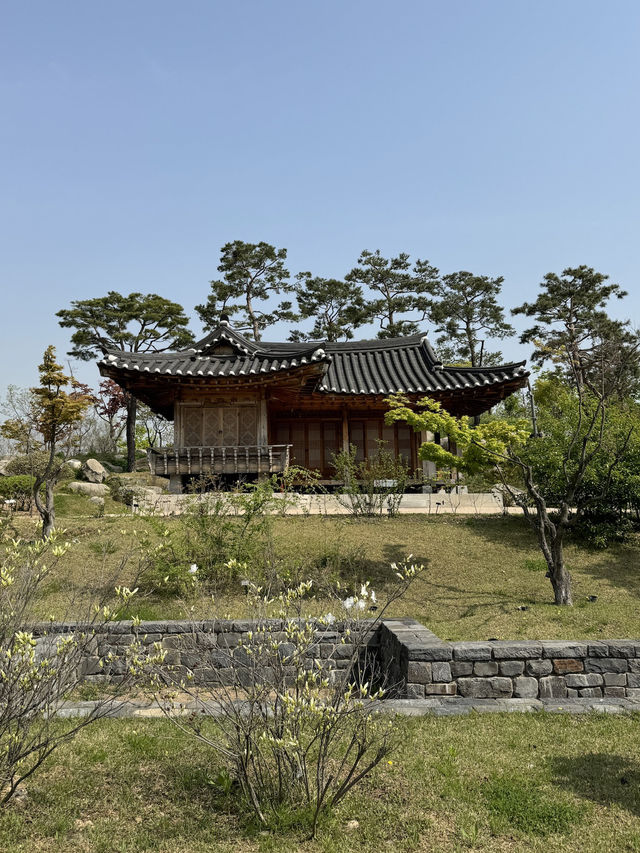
column 603, row 778
column 617, row 565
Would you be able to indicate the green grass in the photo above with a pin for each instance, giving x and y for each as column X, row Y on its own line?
column 485, row 782
column 484, row 578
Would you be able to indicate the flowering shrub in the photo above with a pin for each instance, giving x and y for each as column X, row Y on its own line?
column 296, row 700
column 38, row 669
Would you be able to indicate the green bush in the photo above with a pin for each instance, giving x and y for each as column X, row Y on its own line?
column 18, row 488
column 372, row 487
column 218, row 534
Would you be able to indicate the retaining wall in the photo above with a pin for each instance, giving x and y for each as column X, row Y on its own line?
column 415, row 660
column 205, row 652
column 426, row 666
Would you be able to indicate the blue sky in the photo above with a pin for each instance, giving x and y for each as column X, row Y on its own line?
column 137, row 138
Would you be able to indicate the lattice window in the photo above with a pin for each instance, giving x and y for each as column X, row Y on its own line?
column 248, row 425
column 211, row 426
column 191, row 427
column 230, row 426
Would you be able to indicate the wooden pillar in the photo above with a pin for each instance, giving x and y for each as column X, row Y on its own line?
column 345, row 430
column 263, row 430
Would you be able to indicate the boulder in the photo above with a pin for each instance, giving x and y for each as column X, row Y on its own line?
column 93, row 471
column 3, row 467
column 152, row 490
column 114, row 469
column 74, row 464
column 91, row 489
column 98, row 501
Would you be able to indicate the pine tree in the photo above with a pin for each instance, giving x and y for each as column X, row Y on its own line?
column 397, row 291
column 463, row 307
column 132, row 323
column 251, row 274
column 338, row 307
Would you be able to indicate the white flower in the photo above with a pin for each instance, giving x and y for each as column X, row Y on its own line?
column 193, row 569
column 329, row 618
column 348, row 602
column 364, row 592
column 361, row 604
column 373, row 597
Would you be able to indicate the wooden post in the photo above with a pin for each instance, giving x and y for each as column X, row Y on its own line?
column 345, row 431
column 262, row 420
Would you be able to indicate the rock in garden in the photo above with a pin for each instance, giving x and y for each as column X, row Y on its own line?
column 91, row 489
column 115, row 469
column 94, row 471
column 74, row 464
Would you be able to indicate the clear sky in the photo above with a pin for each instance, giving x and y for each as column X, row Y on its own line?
column 136, row 138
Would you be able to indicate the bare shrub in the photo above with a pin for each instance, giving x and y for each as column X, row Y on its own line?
column 295, row 700
column 39, row 666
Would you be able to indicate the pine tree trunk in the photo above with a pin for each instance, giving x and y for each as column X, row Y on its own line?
column 132, row 408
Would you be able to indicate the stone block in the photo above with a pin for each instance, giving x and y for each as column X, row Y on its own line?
column 501, row 687
column 441, row 671
column 622, row 648
column 462, row 667
column 229, row 639
column 572, row 694
column 598, row 650
column 634, row 664
column 606, row 665
column 562, row 666
column 564, row 649
column 440, row 689
column 475, row 688
column 511, row 668
column 90, row 666
column 633, row 692
column 614, row 691
column 615, row 679
column 633, row 679
column 538, row 668
column 243, row 625
column 414, row 691
column 419, row 672
column 437, row 651
column 553, row 687
column 590, row 693
column 521, row 650
column 485, row 668
column 591, row 679
column 471, row 651
column 525, row 687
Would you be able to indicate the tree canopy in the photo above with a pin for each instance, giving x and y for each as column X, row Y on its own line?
column 464, row 309
column 56, row 405
column 134, row 323
column 398, row 290
column 251, row 273
column 336, row 306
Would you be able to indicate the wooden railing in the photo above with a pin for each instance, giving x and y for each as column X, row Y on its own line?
column 239, row 459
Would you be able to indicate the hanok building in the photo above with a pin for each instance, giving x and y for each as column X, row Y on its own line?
column 244, row 407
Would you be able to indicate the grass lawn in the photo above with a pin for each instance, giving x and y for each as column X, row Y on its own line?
column 480, row 571
column 534, row 782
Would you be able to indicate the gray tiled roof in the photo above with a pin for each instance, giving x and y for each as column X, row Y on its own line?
column 354, row 367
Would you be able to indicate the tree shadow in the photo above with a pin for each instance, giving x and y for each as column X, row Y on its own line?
column 617, row 565
column 603, row 778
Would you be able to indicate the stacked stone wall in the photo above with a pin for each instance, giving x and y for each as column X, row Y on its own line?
column 205, row 652
column 424, row 666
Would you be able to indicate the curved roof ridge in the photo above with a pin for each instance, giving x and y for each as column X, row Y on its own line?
column 485, row 368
